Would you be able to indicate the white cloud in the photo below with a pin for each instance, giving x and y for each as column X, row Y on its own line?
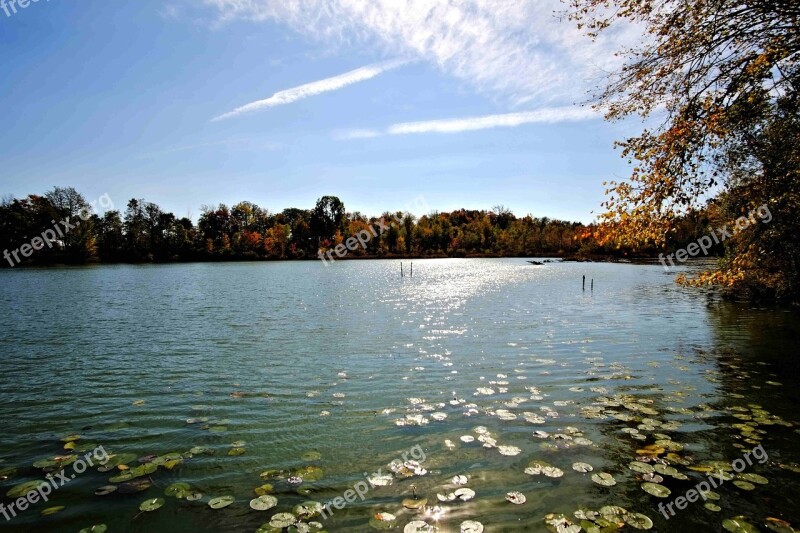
column 314, row 88
column 356, row 134
column 517, row 51
column 549, row 115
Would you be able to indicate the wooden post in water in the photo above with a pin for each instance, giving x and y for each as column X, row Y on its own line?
column 401, row 269
column 584, row 282
column 412, row 269
column 592, row 284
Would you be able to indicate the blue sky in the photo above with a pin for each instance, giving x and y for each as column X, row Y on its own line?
column 379, row 102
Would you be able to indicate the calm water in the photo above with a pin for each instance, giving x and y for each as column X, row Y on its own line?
column 148, row 360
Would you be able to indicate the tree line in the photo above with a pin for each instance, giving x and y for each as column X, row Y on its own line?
column 143, row 232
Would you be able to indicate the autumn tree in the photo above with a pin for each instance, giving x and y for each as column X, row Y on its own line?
column 719, row 78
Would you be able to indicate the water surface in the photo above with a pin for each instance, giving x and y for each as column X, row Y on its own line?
column 158, row 359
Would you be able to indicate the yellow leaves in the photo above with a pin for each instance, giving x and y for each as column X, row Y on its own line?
column 651, row 450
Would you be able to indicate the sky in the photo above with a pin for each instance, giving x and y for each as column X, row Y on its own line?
column 416, row 105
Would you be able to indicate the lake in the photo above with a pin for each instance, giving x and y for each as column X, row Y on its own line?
column 227, row 377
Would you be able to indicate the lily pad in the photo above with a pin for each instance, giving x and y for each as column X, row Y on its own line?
column 738, row 524
column 307, row 510
column 582, row 467
column 221, row 502
column 139, row 485
column 712, row 507
column 418, row 526
column 266, row 488
column 753, row 478
column 638, row 521
column 97, row 528
column 517, row 498
column 471, row 526
column 282, row 520
column 151, row 505
column 53, row 510
column 659, row 491
column 383, row 521
column 778, row 525
column 744, row 485
column 411, row 503
column 309, row 473
column 464, row 494
column 604, row 479
column 105, row 490
column 22, row 489
column 179, row 490
column 264, row 502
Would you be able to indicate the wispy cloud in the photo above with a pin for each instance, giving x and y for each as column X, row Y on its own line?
column 549, row 115
column 317, row 87
column 516, row 51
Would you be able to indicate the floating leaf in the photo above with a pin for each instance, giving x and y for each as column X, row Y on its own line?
column 139, row 485
column 778, row 525
column 659, row 491
column 263, row 503
column 665, row 470
column 638, row 521
column 509, row 451
column 266, row 488
column 307, row 510
column 744, row 485
column 410, row 503
column 105, row 490
column 464, row 494
column 753, row 478
column 418, row 526
column 738, row 525
column 471, row 526
column 282, row 520
column 551, row 471
column 383, row 521
column 604, row 479
column 179, row 490
column 22, row 489
column 517, row 498
column 221, row 501
column 582, row 467
column 53, row 510
column 712, row 507
column 309, row 473
column 97, row 528
column 151, row 505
